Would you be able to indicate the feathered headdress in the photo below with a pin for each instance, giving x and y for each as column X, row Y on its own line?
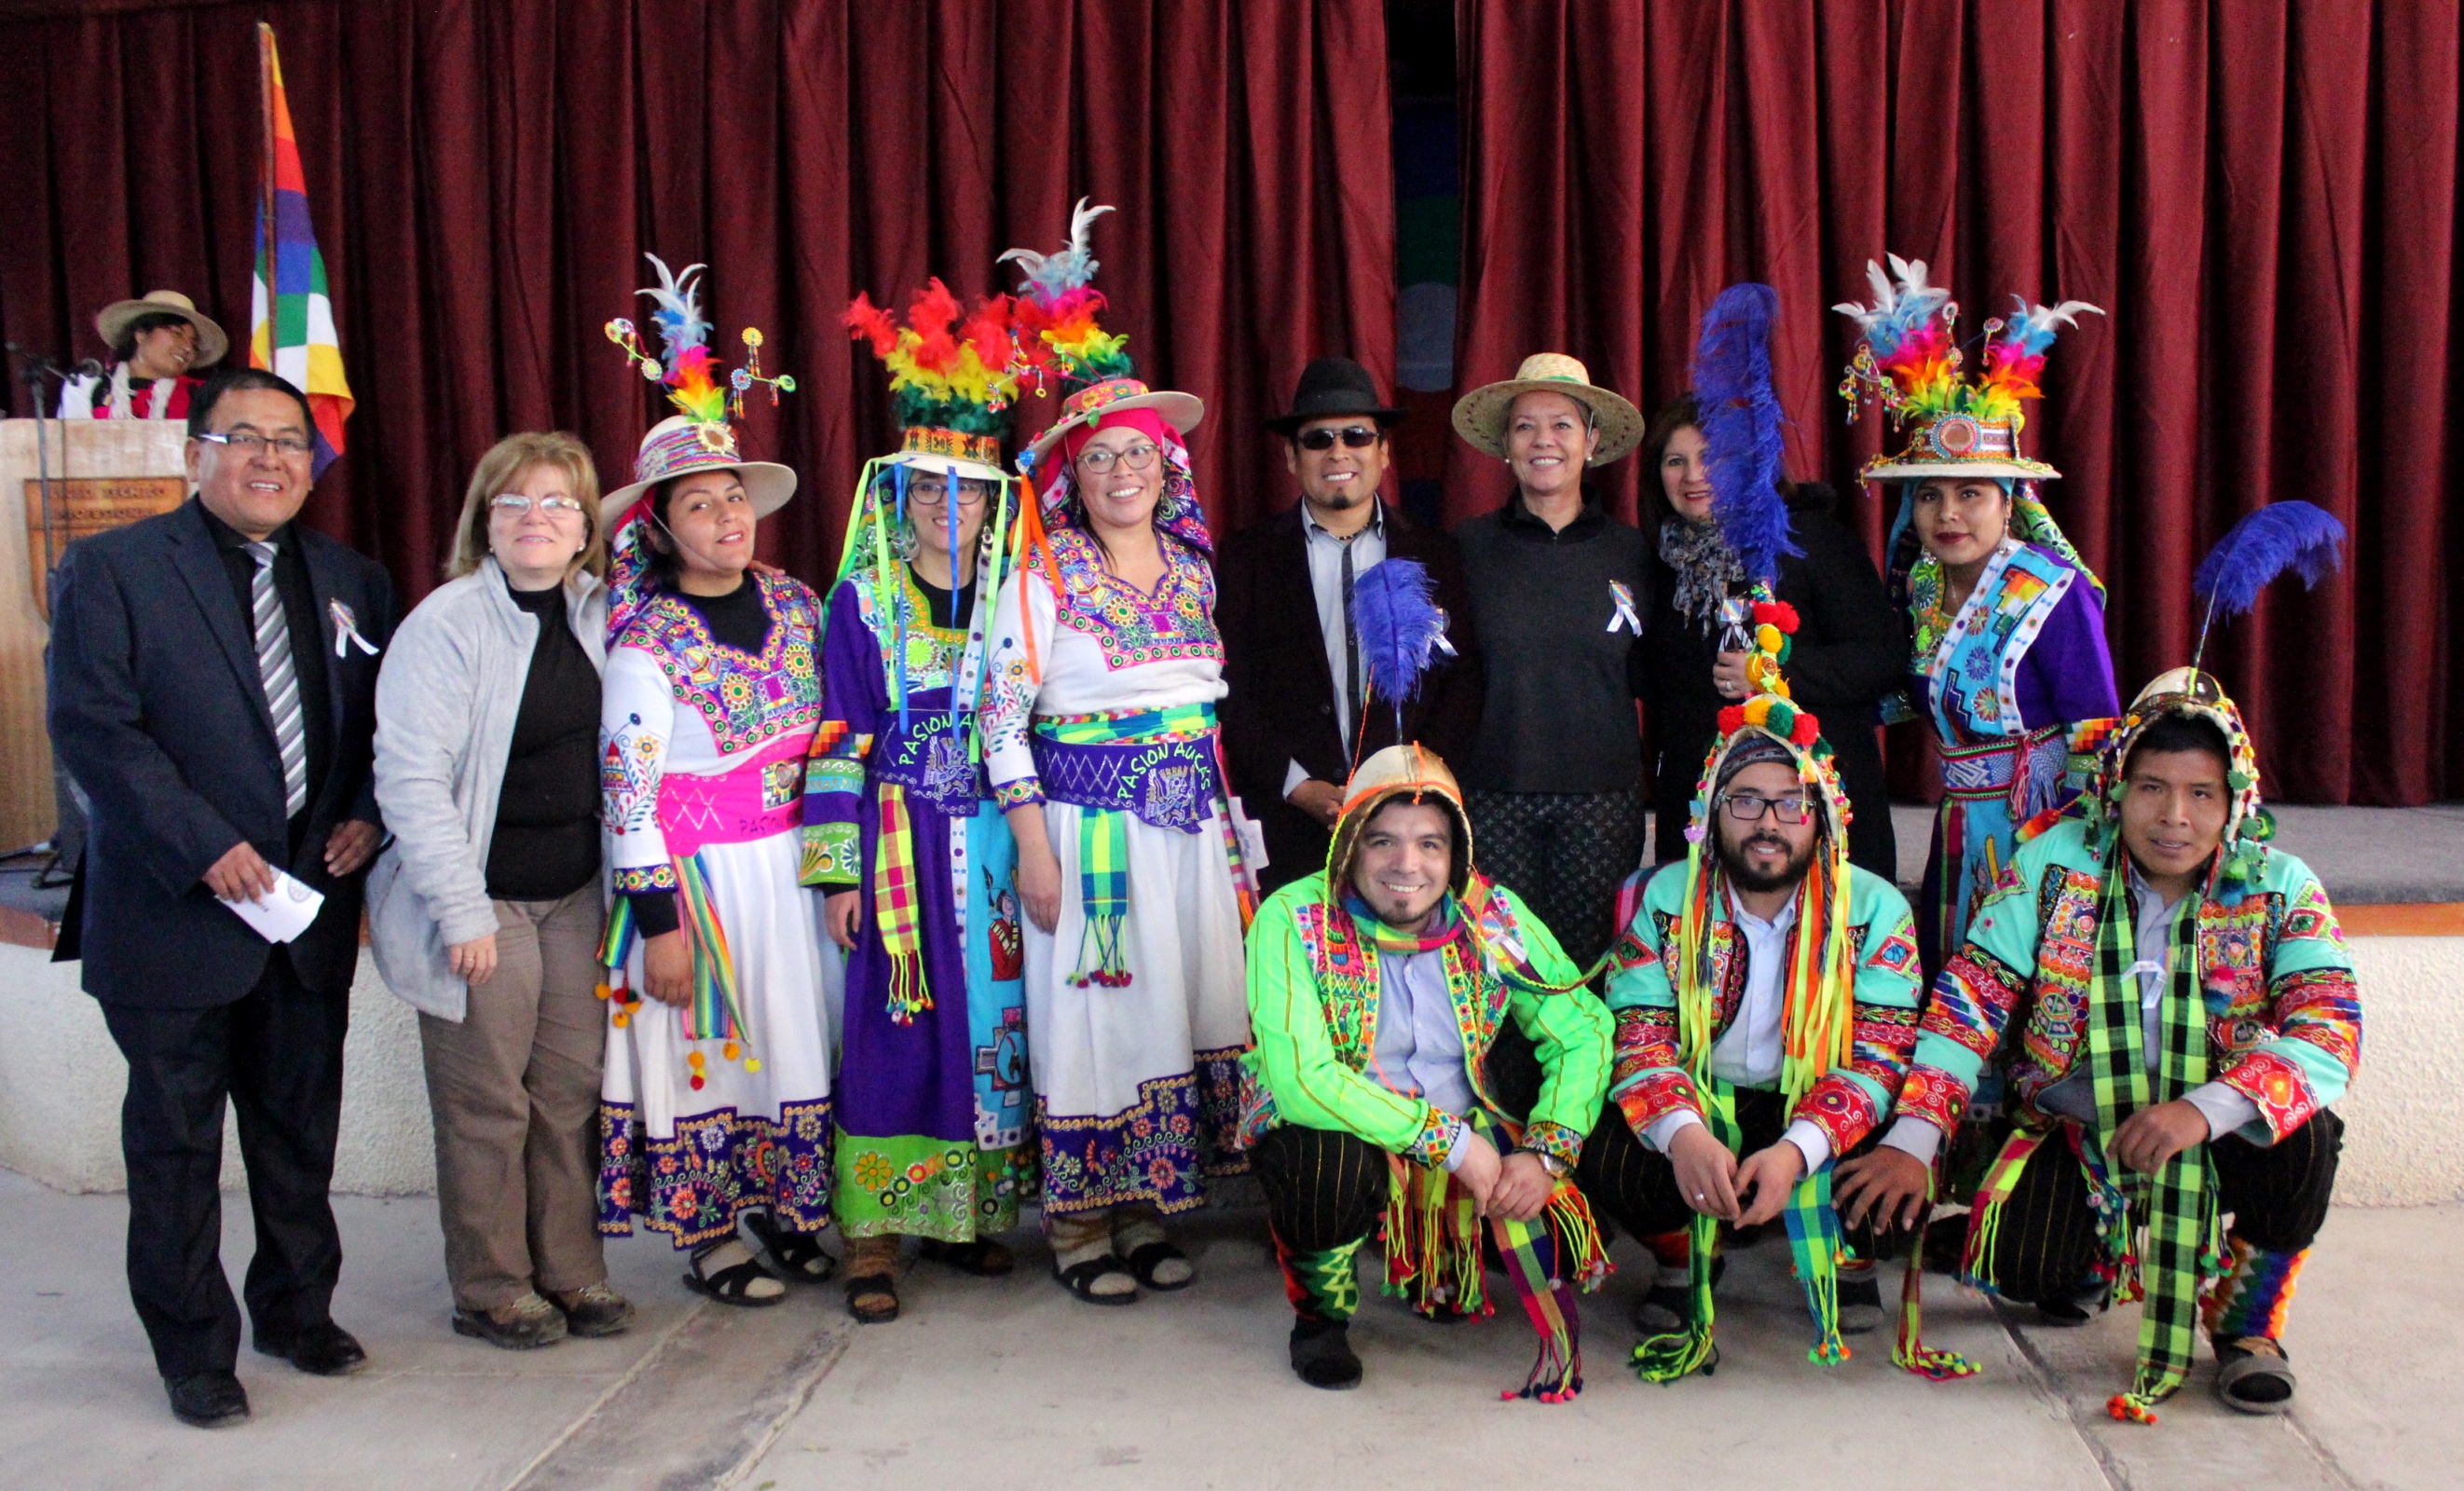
column 697, row 437
column 953, row 378
column 1909, row 359
column 1741, row 427
column 1057, row 308
column 2297, row 537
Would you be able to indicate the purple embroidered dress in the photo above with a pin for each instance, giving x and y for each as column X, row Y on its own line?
column 2023, row 661
column 933, row 1089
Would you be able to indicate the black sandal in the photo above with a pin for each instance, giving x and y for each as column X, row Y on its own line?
column 983, row 1258
column 1144, row 1259
column 728, row 1284
column 1079, row 1278
column 797, row 1256
column 875, row 1286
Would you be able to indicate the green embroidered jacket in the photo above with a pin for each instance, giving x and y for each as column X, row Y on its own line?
column 1314, row 986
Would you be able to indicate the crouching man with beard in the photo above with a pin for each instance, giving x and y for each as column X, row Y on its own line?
column 1765, row 998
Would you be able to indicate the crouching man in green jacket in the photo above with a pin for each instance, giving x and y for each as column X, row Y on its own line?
column 1377, row 989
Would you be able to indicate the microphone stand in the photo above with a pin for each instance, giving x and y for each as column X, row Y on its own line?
column 33, row 368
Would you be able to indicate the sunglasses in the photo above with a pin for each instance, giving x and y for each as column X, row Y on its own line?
column 1355, row 437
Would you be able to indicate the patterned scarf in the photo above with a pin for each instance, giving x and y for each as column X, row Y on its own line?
column 2179, row 1201
column 1706, row 568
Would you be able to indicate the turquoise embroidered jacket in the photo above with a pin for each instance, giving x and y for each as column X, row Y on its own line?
column 1314, row 987
column 2284, row 1013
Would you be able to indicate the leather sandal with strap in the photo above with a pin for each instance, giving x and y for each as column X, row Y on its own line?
column 732, row 1285
column 797, row 1256
column 1145, row 1259
column 1079, row 1278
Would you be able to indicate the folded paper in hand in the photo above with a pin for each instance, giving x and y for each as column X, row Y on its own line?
column 285, row 914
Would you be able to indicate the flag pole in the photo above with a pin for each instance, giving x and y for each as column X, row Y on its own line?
column 265, row 250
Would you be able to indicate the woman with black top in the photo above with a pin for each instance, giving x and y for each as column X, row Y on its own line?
column 1559, row 590
column 487, row 911
column 1849, row 649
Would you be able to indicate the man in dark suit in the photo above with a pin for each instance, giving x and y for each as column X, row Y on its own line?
column 212, row 690
column 1294, row 719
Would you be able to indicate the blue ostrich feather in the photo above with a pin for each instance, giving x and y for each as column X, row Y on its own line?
column 1401, row 627
column 1741, row 427
column 2281, row 535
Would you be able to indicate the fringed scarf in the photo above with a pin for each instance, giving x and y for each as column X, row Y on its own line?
column 1816, row 1025
column 1705, row 567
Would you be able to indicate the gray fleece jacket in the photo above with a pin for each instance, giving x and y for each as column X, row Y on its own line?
column 446, row 700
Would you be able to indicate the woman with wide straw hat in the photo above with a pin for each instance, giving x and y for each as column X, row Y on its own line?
column 2005, row 621
column 1560, row 589
column 1099, row 725
column 715, row 1106
column 159, row 343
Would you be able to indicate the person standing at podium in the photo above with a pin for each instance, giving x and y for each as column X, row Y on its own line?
column 213, row 682
column 159, row 345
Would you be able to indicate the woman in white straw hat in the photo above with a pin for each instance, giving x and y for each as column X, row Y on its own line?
column 1559, row 588
column 159, row 344
column 715, row 1107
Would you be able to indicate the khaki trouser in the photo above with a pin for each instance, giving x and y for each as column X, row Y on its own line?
column 514, row 1089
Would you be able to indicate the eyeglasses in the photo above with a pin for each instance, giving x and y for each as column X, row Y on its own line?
column 1746, row 807
column 1137, row 458
column 244, row 443
column 513, row 502
column 970, row 495
column 1355, row 437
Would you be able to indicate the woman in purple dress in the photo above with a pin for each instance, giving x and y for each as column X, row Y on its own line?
column 915, row 862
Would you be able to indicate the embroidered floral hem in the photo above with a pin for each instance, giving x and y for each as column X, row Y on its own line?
column 914, row 1186
column 718, row 1166
column 1160, row 1150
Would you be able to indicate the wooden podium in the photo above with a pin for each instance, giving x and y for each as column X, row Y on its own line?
column 102, row 473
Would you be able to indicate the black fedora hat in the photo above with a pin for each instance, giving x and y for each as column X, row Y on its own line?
column 1331, row 386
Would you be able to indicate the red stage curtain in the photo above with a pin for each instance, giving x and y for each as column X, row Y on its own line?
column 486, row 177
column 2260, row 193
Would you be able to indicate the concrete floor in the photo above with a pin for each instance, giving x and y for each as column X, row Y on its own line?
column 1011, row 1383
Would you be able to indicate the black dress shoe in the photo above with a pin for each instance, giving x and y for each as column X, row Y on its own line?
column 323, row 1351
column 206, row 1399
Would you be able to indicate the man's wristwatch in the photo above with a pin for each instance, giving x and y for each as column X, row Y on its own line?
column 1555, row 1166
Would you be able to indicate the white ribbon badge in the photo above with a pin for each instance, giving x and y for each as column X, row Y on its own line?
column 347, row 631
column 1623, row 599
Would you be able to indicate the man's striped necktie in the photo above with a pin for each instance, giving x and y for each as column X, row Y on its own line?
column 281, row 678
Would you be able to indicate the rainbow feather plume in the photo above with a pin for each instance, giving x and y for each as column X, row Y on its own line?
column 684, row 343
column 948, row 369
column 1906, row 337
column 1058, row 303
column 1401, row 627
column 1742, row 426
column 2015, row 356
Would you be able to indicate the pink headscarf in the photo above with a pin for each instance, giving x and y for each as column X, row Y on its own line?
column 1177, row 509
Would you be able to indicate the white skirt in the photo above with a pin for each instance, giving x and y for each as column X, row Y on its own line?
column 756, row 1132
column 1137, row 1088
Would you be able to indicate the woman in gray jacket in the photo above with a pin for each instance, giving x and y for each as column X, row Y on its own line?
column 487, row 911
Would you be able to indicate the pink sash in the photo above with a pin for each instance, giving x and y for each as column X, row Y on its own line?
column 762, row 798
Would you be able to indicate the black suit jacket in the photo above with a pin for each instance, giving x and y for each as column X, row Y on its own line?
column 158, row 713
column 1280, row 704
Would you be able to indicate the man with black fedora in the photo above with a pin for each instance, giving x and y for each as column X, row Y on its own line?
column 1293, row 720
